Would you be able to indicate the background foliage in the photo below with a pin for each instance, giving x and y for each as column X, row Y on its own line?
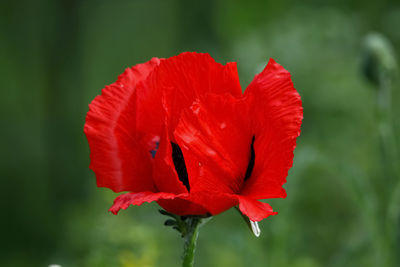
column 55, row 56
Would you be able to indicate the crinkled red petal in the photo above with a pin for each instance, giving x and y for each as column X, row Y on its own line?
column 254, row 209
column 215, row 139
column 183, row 79
column 120, row 154
column 216, row 203
column 276, row 114
column 125, row 200
column 174, row 203
column 164, row 174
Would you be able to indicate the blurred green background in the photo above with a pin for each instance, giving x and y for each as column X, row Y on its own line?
column 56, row 56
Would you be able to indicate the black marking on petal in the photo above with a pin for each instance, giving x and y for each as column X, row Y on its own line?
column 251, row 161
column 180, row 166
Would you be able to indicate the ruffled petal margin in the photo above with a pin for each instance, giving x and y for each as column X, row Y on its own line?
column 254, row 209
column 185, row 204
column 123, row 201
column 277, row 113
column 220, row 202
column 120, row 154
column 179, row 204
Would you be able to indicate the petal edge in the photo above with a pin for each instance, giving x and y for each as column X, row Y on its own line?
column 125, row 200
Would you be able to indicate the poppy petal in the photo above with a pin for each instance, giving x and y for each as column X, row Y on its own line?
column 214, row 202
column 276, row 113
column 183, row 206
column 215, row 138
column 123, row 201
column 218, row 202
column 183, row 79
column 254, row 209
column 174, row 203
column 120, row 154
column 164, row 173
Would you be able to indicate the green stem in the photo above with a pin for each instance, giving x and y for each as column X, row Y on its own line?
column 390, row 160
column 192, row 232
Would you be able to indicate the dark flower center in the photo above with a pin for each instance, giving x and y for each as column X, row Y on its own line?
column 251, row 161
column 180, row 166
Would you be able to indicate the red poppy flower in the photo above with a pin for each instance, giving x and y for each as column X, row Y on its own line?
column 179, row 131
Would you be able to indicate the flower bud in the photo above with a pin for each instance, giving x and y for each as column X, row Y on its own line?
column 379, row 61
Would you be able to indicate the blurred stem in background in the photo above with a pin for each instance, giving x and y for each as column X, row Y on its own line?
column 380, row 68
